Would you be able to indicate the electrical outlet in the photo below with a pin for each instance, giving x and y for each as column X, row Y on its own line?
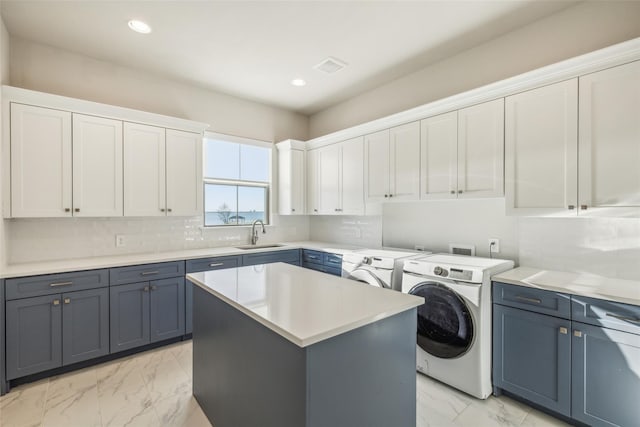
column 120, row 241
column 419, row 248
column 494, row 245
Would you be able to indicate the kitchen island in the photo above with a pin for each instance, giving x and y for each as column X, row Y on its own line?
column 279, row 345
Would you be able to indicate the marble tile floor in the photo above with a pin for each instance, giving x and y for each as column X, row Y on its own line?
column 154, row 389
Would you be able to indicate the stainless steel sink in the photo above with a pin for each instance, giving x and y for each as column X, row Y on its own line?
column 272, row 245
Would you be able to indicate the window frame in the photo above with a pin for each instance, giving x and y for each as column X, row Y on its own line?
column 238, row 182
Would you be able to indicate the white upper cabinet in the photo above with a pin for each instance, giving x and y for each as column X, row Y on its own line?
column 97, row 166
column 609, row 142
column 463, row 153
column 541, row 144
column 352, row 186
column 184, row 173
column 144, row 170
column 313, row 183
column 481, row 150
column 341, row 178
column 291, row 177
column 329, row 179
column 439, row 152
column 40, row 162
column 392, row 164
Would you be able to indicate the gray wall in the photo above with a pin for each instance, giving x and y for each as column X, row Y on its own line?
column 579, row 29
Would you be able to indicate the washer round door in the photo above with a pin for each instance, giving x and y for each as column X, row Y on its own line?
column 366, row 276
column 445, row 324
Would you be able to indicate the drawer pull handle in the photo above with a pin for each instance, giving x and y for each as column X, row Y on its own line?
column 624, row 318
column 145, row 289
column 312, row 257
column 148, row 273
column 216, row 264
column 577, row 334
column 563, row 330
column 531, row 300
column 53, row 285
column 67, row 300
column 154, row 287
column 56, row 302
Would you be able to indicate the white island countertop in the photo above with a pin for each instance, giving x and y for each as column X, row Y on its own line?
column 582, row 284
column 304, row 306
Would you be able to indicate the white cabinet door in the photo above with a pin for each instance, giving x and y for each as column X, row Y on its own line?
column 353, row 177
column 144, row 170
column 404, row 148
column 97, row 166
column 291, row 181
column 329, row 172
column 481, row 150
column 184, row 173
column 40, row 162
column 297, row 182
column 313, row 199
column 541, row 150
column 377, row 166
column 438, row 150
column 609, row 144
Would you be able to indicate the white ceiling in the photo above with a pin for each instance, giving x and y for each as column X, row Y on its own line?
column 254, row 49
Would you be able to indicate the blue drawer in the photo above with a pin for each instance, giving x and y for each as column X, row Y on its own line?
column 145, row 272
column 609, row 314
column 214, row 263
column 291, row 256
column 314, row 257
column 333, row 260
column 49, row 284
column 536, row 300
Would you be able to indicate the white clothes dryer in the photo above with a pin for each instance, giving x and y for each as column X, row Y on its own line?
column 377, row 267
column 454, row 323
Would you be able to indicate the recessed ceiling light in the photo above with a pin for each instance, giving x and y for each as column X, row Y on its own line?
column 139, row 26
column 298, row 82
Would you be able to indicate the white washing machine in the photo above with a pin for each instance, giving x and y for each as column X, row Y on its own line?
column 454, row 323
column 377, row 267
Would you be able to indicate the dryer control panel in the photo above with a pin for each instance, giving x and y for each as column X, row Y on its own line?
column 460, row 274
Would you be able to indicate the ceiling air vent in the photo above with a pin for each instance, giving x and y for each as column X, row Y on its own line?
column 330, row 65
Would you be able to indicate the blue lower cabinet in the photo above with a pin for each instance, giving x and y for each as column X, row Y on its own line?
column 606, row 376
column 3, row 382
column 130, row 316
column 167, row 314
column 85, row 325
column 33, row 335
column 291, row 256
column 532, row 357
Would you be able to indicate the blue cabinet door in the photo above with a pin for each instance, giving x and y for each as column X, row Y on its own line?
column 3, row 383
column 34, row 335
column 129, row 316
column 167, row 308
column 532, row 357
column 606, row 376
column 85, row 325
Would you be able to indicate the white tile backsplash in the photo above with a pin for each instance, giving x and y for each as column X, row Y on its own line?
column 365, row 231
column 32, row 240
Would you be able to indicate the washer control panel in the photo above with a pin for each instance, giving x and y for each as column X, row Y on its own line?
column 453, row 273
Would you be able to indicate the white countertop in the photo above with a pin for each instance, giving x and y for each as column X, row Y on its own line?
column 304, row 306
column 588, row 285
column 50, row 267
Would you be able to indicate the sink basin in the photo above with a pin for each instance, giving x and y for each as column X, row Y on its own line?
column 272, row 245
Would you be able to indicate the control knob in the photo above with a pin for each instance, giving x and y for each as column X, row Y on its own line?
column 439, row 271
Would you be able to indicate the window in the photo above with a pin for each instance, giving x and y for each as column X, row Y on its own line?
column 236, row 180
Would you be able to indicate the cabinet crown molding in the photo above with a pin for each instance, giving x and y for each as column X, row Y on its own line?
column 74, row 105
column 607, row 57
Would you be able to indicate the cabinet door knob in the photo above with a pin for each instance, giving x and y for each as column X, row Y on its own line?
column 56, row 302
column 459, row 191
column 315, row 210
column 67, row 300
column 77, row 209
column 154, row 287
column 390, row 195
column 293, row 210
column 583, row 207
column 145, row 289
column 67, row 209
column 563, row 330
column 571, row 207
column 169, row 210
column 161, row 209
column 453, row 191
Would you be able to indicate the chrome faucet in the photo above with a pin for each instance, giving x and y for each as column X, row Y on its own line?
column 254, row 232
